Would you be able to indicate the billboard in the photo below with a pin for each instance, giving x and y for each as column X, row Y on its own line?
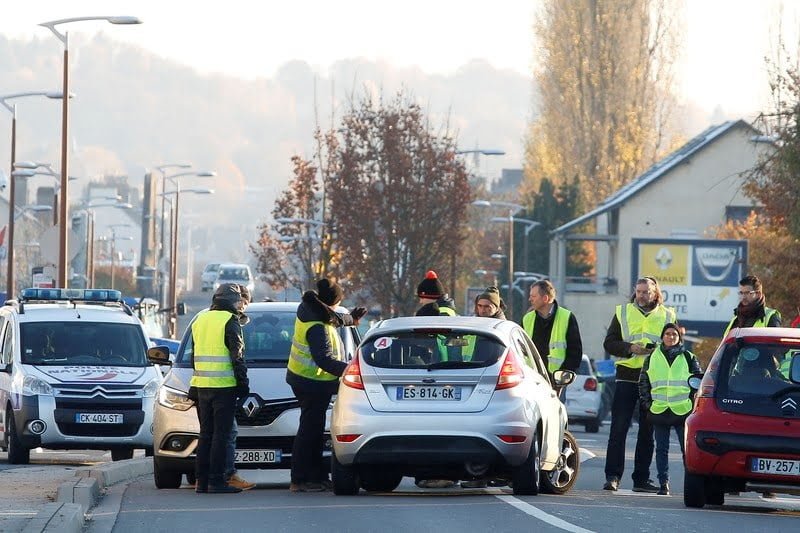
column 699, row 278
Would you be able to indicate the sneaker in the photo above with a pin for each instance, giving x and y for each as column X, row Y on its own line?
column 223, row 489
column 307, row 486
column 474, row 484
column 435, row 483
column 611, row 484
column 236, row 481
column 647, row 486
column 664, row 490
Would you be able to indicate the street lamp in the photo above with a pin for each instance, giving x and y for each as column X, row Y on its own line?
column 64, row 198
column 12, row 108
column 31, row 168
column 163, row 170
column 173, row 256
column 114, row 238
column 529, row 225
column 90, row 223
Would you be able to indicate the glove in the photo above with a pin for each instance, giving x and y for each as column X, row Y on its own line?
column 357, row 313
column 242, row 391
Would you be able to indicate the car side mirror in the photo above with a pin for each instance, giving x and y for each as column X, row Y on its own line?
column 694, row 381
column 181, row 308
column 158, row 355
column 562, row 378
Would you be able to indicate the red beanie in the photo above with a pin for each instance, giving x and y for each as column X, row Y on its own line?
column 430, row 287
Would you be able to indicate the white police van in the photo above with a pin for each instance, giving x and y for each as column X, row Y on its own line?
column 74, row 374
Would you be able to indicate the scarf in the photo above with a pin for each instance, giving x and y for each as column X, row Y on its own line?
column 748, row 314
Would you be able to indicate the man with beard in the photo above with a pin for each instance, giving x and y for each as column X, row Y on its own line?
column 752, row 312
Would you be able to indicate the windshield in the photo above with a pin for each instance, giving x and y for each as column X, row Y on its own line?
column 234, row 273
column 431, row 349
column 756, row 369
column 82, row 343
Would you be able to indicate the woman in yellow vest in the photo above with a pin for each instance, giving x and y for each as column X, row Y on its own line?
column 316, row 360
column 665, row 394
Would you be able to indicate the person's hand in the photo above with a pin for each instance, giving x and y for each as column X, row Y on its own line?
column 357, row 313
column 242, row 391
column 638, row 349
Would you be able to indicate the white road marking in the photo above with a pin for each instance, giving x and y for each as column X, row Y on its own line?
column 541, row 515
column 585, row 454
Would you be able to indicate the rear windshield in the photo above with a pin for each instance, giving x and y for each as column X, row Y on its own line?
column 431, row 349
column 586, row 368
column 756, row 369
column 82, row 343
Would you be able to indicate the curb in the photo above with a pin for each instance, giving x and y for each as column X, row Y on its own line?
column 75, row 498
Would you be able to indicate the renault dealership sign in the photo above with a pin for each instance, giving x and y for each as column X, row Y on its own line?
column 699, row 278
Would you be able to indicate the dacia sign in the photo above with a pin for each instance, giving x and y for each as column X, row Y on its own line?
column 699, row 278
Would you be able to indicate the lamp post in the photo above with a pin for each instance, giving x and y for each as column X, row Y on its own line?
column 12, row 108
column 29, row 169
column 114, row 238
column 64, row 198
column 173, row 256
column 90, row 224
column 529, row 225
column 163, row 170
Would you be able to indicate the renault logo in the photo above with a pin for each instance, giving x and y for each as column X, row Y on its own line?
column 250, row 406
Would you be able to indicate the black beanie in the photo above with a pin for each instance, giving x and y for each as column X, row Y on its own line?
column 329, row 291
column 430, row 287
column 492, row 294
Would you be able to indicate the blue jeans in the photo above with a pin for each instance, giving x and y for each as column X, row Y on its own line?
column 230, row 451
column 662, row 448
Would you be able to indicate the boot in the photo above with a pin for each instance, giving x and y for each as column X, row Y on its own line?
column 664, row 490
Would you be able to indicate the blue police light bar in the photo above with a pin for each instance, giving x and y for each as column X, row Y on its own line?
column 84, row 295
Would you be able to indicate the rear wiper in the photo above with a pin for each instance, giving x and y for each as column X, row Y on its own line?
column 790, row 388
column 454, row 364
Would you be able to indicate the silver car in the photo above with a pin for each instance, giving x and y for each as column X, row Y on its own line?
column 268, row 417
column 585, row 402
column 459, row 398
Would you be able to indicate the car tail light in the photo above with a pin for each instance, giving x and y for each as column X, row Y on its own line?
column 512, row 439
column 511, row 373
column 708, row 384
column 590, row 384
column 349, row 437
column 352, row 374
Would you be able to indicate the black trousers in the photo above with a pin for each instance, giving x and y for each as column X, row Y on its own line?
column 307, row 462
column 625, row 396
column 215, row 411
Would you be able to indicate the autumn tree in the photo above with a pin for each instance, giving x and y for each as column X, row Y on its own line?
column 399, row 201
column 603, row 77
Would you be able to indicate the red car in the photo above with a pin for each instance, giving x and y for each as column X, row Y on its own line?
column 744, row 433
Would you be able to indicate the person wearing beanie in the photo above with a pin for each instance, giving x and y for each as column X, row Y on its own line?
column 316, row 361
column 489, row 304
column 434, row 301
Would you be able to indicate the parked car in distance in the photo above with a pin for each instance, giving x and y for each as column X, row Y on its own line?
column 235, row 273
column 268, row 418
column 744, row 432
column 584, row 398
column 459, row 398
column 209, row 276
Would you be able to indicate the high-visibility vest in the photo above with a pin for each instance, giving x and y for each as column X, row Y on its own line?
column 669, row 387
column 760, row 323
column 446, row 311
column 558, row 336
column 638, row 328
column 301, row 361
column 213, row 368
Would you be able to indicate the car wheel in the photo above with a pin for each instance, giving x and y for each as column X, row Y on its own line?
column 561, row 479
column 526, row 476
column 379, row 481
column 120, row 454
column 17, row 453
column 148, row 452
column 715, row 492
column 191, row 478
column 166, row 479
column 592, row 426
column 344, row 478
column 694, row 490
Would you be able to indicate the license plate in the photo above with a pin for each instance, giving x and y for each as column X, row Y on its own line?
column 98, row 418
column 258, row 456
column 783, row 467
column 429, row 393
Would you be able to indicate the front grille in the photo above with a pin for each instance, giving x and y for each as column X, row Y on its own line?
column 257, row 412
column 265, row 443
column 98, row 430
column 93, row 390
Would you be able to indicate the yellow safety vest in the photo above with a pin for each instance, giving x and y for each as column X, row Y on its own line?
column 446, row 311
column 558, row 336
column 760, row 323
column 300, row 360
column 670, row 389
column 638, row 328
column 213, row 368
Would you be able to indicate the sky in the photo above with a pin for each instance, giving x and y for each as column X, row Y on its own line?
column 724, row 42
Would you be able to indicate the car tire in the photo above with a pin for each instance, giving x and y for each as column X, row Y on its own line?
column 166, row 479
column 17, row 453
column 527, row 475
column 120, row 454
column 592, row 426
column 344, row 478
column 562, row 478
column 694, row 490
column 715, row 492
column 148, row 452
column 380, row 481
column 191, row 478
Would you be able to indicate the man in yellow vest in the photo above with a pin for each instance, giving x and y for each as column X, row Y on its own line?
column 316, row 360
column 553, row 329
column 219, row 378
column 632, row 335
column 752, row 311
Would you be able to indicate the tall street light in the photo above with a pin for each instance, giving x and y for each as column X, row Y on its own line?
column 162, row 169
column 114, row 238
column 29, row 169
column 64, row 203
column 12, row 108
column 173, row 256
column 529, row 225
column 89, row 208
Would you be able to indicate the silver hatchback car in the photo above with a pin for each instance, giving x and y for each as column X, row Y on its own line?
column 459, row 398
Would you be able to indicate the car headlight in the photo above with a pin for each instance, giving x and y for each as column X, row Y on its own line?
column 174, row 399
column 150, row 390
column 32, row 386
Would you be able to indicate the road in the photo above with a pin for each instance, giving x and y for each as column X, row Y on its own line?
column 271, row 507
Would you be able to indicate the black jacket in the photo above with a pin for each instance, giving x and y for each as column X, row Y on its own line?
column 617, row 347
column 311, row 309
column 646, row 388
column 542, row 327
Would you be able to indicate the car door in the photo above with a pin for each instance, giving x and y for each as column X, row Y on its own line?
column 6, row 356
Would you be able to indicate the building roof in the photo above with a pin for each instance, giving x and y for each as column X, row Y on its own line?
column 657, row 171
